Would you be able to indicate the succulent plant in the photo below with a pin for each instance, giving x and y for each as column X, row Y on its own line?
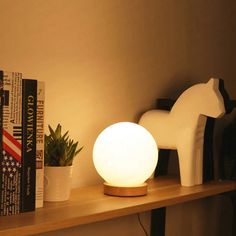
column 59, row 149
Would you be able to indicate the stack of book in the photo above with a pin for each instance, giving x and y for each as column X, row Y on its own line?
column 21, row 143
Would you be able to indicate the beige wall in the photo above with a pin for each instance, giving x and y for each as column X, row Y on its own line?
column 107, row 61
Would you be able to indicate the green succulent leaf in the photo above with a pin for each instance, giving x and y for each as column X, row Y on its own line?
column 59, row 149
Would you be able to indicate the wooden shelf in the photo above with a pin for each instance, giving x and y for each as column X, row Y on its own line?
column 89, row 204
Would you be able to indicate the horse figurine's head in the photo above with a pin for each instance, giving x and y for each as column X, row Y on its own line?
column 203, row 98
column 213, row 98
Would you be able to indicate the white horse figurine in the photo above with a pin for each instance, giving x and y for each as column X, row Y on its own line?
column 183, row 127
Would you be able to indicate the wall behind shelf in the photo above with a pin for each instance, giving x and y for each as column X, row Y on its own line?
column 107, row 61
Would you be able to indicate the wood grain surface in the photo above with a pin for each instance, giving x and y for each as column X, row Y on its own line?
column 89, row 204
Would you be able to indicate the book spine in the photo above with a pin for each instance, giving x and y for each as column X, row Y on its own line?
column 11, row 118
column 1, row 149
column 40, row 144
column 28, row 177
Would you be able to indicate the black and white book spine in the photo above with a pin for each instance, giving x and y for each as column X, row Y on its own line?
column 11, row 138
column 28, row 176
column 40, row 144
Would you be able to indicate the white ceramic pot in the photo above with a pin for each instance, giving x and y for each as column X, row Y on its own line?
column 57, row 183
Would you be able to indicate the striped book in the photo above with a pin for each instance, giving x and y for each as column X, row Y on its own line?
column 10, row 141
column 40, row 144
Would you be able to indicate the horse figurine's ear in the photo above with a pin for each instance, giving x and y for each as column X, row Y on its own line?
column 214, row 83
column 229, row 104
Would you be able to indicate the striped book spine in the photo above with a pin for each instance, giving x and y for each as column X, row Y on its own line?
column 10, row 153
column 40, row 144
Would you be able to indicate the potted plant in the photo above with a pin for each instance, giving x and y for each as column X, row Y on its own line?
column 59, row 154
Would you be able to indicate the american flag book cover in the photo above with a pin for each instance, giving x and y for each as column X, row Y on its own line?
column 10, row 141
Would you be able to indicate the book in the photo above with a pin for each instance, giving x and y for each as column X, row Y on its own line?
column 28, row 175
column 40, row 144
column 1, row 129
column 10, row 141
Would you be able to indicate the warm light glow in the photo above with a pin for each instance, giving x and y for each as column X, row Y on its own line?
column 125, row 154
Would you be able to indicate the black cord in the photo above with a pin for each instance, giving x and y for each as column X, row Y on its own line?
column 141, row 224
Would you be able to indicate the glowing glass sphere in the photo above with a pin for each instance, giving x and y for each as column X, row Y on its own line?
column 125, row 154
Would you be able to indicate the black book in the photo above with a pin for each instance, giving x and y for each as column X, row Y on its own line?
column 29, row 116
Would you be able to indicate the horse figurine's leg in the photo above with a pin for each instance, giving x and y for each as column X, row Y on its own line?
column 198, row 149
column 190, row 152
column 186, row 163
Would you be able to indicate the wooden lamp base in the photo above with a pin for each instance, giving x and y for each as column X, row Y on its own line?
column 125, row 191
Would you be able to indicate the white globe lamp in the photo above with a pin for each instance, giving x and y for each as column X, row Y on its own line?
column 125, row 155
